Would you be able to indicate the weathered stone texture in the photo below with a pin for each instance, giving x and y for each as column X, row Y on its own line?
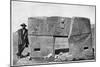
column 78, row 30
column 49, row 26
column 45, row 43
column 80, row 37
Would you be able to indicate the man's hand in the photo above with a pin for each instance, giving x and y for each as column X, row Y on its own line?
column 26, row 45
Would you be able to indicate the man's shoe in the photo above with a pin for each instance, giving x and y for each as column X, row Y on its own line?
column 21, row 56
column 18, row 56
column 28, row 54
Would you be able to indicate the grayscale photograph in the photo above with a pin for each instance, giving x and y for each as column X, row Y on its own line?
column 52, row 33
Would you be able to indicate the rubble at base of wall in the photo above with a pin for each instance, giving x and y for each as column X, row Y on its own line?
column 85, row 55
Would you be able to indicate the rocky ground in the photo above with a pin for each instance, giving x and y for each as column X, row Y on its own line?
column 62, row 57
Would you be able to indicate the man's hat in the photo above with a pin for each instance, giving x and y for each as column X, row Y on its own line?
column 23, row 24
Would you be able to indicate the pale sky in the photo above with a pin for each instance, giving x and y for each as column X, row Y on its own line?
column 22, row 10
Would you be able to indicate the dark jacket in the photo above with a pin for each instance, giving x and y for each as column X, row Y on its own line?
column 23, row 37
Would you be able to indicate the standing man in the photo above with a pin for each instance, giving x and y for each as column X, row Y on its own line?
column 22, row 40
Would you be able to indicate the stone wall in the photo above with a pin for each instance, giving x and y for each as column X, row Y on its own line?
column 76, row 31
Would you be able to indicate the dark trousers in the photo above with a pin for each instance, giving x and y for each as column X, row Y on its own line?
column 20, row 49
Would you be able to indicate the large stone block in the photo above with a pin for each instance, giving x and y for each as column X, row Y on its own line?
column 80, row 37
column 53, row 25
column 80, row 42
column 61, row 43
column 44, row 43
column 80, row 25
column 59, row 26
column 37, row 26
